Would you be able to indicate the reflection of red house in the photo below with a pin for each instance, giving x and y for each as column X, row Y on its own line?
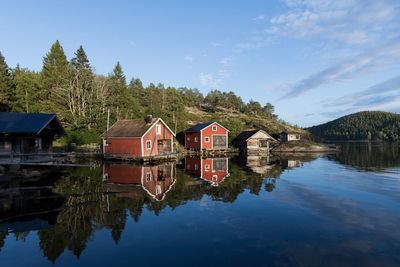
column 213, row 170
column 155, row 180
column 207, row 136
column 138, row 138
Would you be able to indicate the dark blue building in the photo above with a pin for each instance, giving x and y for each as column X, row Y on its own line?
column 22, row 133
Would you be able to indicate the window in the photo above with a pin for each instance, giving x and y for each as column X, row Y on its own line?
column 214, row 128
column 148, row 144
column 207, row 167
column 188, row 138
column 196, row 166
column 148, row 176
column 196, row 139
column 214, row 178
column 158, row 129
column 207, row 139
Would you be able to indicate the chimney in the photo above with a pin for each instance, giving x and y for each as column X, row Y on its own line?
column 148, row 119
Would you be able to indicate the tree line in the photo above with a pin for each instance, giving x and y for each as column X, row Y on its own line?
column 81, row 98
column 366, row 125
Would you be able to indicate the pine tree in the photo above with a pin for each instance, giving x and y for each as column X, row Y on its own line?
column 123, row 104
column 27, row 88
column 7, row 85
column 80, row 90
column 56, row 76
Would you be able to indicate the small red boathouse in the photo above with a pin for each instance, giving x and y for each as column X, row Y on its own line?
column 207, row 136
column 138, row 138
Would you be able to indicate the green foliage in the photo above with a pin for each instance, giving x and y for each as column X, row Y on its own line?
column 56, row 74
column 366, row 125
column 7, row 85
column 79, row 137
column 81, row 99
column 27, row 89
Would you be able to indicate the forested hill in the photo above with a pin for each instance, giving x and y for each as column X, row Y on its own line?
column 365, row 125
column 81, row 98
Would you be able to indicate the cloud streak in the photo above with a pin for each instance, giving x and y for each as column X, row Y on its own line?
column 345, row 21
column 381, row 57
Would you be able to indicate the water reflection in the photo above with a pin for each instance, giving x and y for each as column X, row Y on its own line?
column 64, row 209
column 157, row 180
column 212, row 170
column 369, row 156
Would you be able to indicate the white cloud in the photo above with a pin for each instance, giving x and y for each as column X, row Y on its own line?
column 215, row 44
column 214, row 81
column 227, row 61
column 349, row 22
column 381, row 57
column 260, row 17
column 210, row 80
column 188, row 58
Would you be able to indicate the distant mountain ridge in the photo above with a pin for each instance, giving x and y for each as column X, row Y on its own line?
column 364, row 125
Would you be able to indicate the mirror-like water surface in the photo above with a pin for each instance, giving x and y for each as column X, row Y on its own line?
column 298, row 210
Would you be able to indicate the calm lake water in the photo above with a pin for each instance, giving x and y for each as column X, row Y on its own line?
column 303, row 210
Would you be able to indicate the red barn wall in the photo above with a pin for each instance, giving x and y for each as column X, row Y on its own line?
column 154, row 137
column 191, row 144
column 208, row 132
column 191, row 164
column 123, row 146
column 208, row 174
column 123, row 173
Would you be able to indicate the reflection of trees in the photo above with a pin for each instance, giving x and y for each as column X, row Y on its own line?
column 88, row 208
column 372, row 156
column 90, row 204
column 3, row 235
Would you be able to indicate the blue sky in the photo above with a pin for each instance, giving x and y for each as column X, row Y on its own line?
column 314, row 60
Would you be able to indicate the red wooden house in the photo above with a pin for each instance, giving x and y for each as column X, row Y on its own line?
column 156, row 181
column 212, row 170
column 207, row 136
column 138, row 138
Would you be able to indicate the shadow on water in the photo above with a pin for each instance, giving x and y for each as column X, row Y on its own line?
column 65, row 207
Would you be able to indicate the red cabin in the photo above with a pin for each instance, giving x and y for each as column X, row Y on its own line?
column 212, row 170
column 138, row 138
column 157, row 181
column 207, row 136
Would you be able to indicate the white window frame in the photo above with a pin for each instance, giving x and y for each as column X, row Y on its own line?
column 207, row 139
column 196, row 140
column 158, row 129
column 207, row 167
column 149, row 176
column 147, row 146
column 214, row 128
column 158, row 190
column 214, row 178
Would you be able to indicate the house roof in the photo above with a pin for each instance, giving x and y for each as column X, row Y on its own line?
column 200, row 126
column 132, row 128
column 27, row 123
column 289, row 132
column 249, row 133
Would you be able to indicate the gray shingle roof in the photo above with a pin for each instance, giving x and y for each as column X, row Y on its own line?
column 129, row 128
